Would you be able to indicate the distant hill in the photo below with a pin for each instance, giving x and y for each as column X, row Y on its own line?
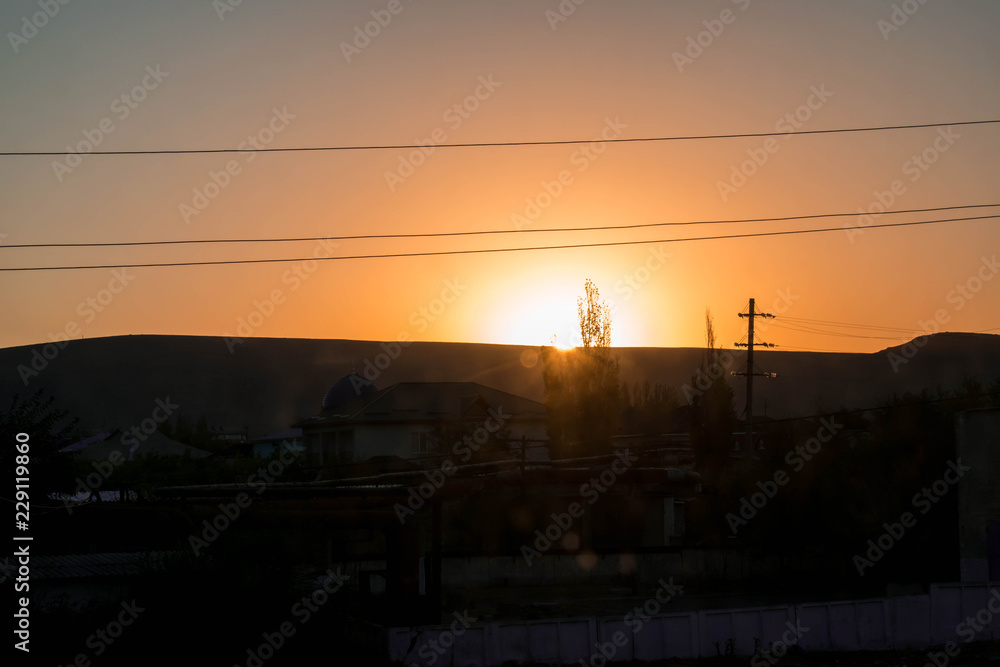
column 265, row 384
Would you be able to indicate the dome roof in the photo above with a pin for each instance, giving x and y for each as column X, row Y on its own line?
column 347, row 389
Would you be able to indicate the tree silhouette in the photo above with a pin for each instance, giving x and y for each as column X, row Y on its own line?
column 713, row 409
column 648, row 408
column 48, row 429
column 581, row 385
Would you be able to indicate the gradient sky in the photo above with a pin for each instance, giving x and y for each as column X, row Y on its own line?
column 226, row 73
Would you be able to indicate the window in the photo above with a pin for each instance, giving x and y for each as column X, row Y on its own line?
column 421, row 443
column 345, row 446
column 337, row 447
column 328, row 447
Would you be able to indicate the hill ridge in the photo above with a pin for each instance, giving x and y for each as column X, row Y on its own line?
column 266, row 384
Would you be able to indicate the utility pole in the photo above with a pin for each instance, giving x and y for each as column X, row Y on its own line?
column 751, row 314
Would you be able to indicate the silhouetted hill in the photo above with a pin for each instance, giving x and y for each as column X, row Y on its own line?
column 266, row 384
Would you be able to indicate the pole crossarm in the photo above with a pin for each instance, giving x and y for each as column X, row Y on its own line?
column 750, row 374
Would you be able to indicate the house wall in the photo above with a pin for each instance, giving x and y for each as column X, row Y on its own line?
column 383, row 440
column 395, row 439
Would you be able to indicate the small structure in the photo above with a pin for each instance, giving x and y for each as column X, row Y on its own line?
column 273, row 443
column 359, row 421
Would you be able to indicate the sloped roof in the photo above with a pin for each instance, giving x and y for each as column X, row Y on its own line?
column 74, row 566
column 287, row 434
column 155, row 444
column 86, row 442
column 432, row 401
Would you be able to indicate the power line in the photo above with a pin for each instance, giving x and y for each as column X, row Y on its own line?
column 485, row 232
column 841, row 334
column 912, row 332
column 803, row 328
column 497, row 144
column 846, row 325
column 476, row 251
column 481, row 232
column 815, row 349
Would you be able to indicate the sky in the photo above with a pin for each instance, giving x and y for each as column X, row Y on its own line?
column 197, row 74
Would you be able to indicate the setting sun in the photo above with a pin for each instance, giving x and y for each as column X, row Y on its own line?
column 524, row 314
column 545, row 322
column 562, row 345
column 538, row 311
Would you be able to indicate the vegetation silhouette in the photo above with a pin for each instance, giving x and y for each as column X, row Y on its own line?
column 582, row 384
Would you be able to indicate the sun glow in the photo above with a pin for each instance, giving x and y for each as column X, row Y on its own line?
column 537, row 306
column 543, row 322
column 562, row 345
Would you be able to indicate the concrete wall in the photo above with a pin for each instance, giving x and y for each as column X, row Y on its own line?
column 977, row 432
column 689, row 565
column 905, row 622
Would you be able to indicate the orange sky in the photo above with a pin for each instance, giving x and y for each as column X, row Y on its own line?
column 610, row 67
